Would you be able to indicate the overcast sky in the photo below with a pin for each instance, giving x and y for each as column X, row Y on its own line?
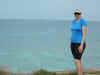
column 48, row 9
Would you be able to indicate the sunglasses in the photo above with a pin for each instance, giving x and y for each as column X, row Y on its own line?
column 76, row 13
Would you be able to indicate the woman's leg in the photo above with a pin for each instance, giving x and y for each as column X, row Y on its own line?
column 77, row 57
column 78, row 66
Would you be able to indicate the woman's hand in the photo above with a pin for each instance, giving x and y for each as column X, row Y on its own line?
column 80, row 48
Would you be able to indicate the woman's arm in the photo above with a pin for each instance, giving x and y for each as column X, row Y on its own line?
column 83, row 34
column 83, row 38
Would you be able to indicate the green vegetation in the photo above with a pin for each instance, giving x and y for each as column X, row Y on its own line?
column 45, row 72
column 5, row 73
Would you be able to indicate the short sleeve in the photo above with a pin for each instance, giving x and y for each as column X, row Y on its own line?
column 83, row 22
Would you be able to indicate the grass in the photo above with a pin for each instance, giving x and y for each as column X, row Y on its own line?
column 45, row 72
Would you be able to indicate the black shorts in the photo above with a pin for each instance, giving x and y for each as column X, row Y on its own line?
column 75, row 51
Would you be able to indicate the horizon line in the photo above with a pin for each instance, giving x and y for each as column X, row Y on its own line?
column 41, row 19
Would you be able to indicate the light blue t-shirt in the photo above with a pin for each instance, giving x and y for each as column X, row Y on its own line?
column 77, row 30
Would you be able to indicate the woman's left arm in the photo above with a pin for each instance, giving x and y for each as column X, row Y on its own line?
column 84, row 28
column 83, row 34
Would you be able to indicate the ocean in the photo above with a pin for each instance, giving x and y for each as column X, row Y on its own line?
column 28, row 45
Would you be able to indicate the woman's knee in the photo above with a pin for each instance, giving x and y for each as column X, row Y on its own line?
column 77, row 61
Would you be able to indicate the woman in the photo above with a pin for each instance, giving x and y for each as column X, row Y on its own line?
column 78, row 41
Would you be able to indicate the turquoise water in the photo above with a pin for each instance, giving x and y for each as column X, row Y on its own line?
column 28, row 45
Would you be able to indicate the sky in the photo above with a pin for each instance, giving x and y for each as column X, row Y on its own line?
column 48, row 9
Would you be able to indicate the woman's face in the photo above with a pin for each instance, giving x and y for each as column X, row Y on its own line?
column 77, row 15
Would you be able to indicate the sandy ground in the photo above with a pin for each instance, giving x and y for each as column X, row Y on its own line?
column 84, row 70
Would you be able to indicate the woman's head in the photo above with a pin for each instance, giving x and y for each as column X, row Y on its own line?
column 77, row 13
